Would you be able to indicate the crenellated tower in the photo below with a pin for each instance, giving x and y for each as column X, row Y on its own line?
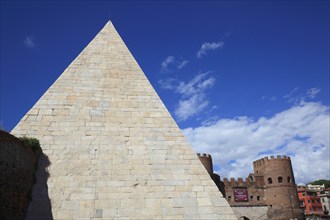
column 280, row 189
column 206, row 160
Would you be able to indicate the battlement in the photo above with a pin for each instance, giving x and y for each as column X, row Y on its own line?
column 239, row 182
column 206, row 160
column 262, row 161
column 203, row 155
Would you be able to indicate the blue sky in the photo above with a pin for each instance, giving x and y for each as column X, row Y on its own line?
column 243, row 79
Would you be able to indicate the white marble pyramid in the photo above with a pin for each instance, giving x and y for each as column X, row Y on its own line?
column 114, row 150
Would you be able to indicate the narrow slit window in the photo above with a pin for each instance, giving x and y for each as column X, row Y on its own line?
column 289, row 179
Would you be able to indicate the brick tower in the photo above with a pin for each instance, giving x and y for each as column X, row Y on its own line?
column 280, row 188
column 206, row 160
column 115, row 152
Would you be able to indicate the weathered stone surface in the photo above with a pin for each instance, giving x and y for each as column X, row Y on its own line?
column 115, row 150
column 251, row 212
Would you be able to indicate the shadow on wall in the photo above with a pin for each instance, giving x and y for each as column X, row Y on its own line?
column 19, row 158
column 40, row 206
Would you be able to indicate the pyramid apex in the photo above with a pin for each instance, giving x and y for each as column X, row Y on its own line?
column 109, row 24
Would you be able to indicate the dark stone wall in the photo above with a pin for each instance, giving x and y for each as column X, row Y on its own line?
column 17, row 167
column 206, row 160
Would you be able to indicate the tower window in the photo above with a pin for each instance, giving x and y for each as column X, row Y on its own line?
column 270, row 181
column 229, row 198
column 258, row 198
column 289, row 179
column 280, row 179
column 251, row 198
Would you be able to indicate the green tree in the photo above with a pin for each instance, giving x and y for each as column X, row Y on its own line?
column 321, row 182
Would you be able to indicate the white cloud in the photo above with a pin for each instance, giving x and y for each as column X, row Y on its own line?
column 191, row 106
column 208, row 46
column 272, row 98
column 193, row 98
column 170, row 64
column 291, row 94
column 312, row 92
column 169, row 83
column 296, row 97
column 165, row 64
column 182, row 64
column 302, row 132
column 29, row 42
column 197, row 85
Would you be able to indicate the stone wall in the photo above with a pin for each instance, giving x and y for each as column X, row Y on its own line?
column 251, row 212
column 17, row 165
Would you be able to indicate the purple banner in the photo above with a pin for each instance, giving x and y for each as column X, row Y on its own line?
column 241, row 195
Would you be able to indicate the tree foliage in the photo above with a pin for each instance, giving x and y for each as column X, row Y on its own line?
column 321, row 182
column 32, row 143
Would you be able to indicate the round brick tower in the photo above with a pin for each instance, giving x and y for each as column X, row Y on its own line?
column 280, row 188
column 206, row 160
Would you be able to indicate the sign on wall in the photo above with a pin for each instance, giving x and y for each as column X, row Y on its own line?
column 241, row 195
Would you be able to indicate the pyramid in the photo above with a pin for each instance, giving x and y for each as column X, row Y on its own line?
column 111, row 148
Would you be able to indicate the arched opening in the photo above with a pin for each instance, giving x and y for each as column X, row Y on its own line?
column 270, row 181
column 244, row 218
column 289, row 179
column 280, row 179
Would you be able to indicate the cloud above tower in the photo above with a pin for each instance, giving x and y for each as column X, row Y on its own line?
column 301, row 132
